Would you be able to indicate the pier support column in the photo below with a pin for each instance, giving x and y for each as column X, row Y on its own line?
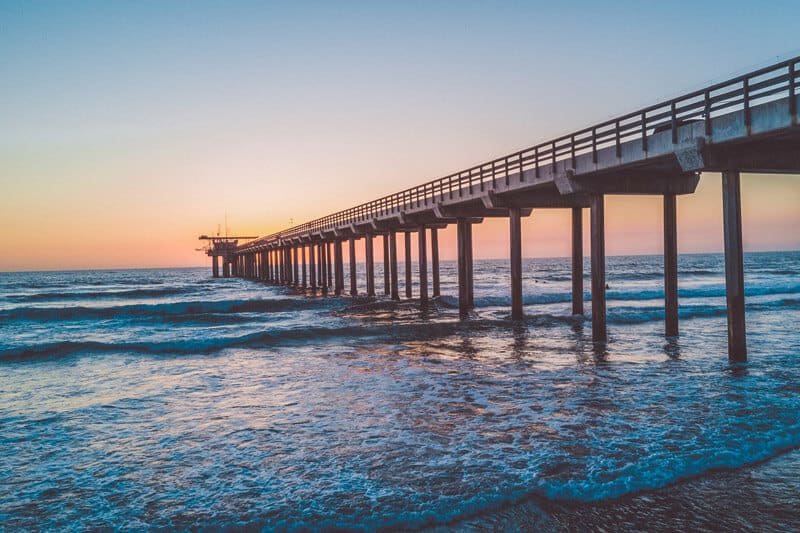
column 597, row 206
column 312, row 266
column 296, row 264
column 577, row 261
column 515, row 231
column 369, row 256
column 435, row 262
column 305, row 266
column 393, row 265
column 288, row 254
column 329, row 255
column 353, row 284
column 670, row 266
column 423, row 265
column 339, row 286
column 339, row 267
column 387, row 284
column 320, row 262
column 407, row 243
column 215, row 266
column 465, row 290
column 324, row 266
column 734, row 265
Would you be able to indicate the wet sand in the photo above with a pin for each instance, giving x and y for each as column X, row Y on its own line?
column 762, row 497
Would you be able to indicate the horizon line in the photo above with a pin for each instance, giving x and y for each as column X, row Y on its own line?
column 586, row 256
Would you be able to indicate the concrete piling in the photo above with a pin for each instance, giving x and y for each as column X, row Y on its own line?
column 734, row 265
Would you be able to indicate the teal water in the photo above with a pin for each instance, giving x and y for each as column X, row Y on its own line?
column 165, row 399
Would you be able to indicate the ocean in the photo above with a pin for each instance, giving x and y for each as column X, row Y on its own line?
column 167, row 400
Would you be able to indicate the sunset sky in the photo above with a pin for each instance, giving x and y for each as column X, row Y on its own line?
column 129, row 128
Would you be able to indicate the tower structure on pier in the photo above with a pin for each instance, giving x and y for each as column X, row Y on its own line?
column 225, row 248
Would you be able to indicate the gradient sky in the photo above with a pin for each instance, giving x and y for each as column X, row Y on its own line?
column 129, row 128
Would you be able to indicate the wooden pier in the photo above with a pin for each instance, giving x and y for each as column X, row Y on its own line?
column 746, row 124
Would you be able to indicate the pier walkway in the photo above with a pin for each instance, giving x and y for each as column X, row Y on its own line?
column 746, row 124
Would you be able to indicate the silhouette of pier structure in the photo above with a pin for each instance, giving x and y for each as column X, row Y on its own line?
column 746, row 124
column 222, row 247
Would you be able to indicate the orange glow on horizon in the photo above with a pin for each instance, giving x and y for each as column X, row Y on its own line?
column 69, row 226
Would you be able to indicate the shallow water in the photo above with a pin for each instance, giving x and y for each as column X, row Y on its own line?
column 166, row 399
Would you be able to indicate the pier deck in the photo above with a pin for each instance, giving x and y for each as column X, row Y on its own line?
column 746, row 124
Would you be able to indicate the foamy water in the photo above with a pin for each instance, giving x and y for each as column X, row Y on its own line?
column 166, row 399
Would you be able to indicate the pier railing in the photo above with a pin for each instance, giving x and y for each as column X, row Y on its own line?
column 741, row 93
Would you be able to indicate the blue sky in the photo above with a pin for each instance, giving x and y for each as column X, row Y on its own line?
column 155, row 118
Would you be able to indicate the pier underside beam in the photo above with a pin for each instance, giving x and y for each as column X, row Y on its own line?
column 629, row 182
column 775, row 156
column 599, row 332
column 734, row 265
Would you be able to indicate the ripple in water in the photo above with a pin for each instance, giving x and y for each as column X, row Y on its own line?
column 244, row 405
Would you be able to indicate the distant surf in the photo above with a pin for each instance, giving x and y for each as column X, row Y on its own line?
column 165, row 399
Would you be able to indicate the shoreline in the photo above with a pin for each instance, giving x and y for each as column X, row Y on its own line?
column 760, row 496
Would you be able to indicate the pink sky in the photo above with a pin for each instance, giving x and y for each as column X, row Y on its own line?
column 130, row 129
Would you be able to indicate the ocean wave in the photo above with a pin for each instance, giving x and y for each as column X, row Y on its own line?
column 474, row 509
column 613, row 294
column 94, row 294
column 164, row 311
column 276, row 336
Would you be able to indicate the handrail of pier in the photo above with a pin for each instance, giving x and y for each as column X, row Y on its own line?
column 765, row 84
